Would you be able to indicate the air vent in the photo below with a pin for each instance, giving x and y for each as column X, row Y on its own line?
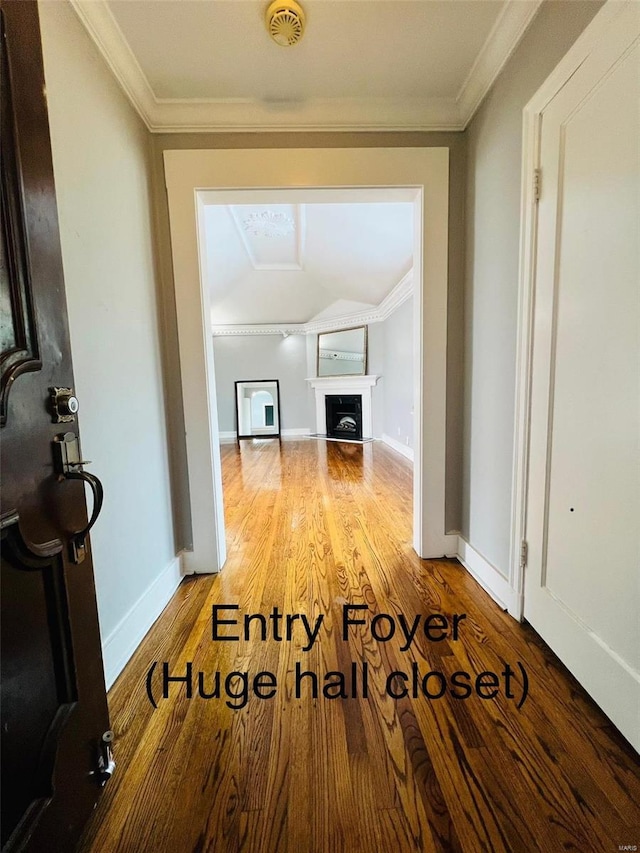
column 285, row 22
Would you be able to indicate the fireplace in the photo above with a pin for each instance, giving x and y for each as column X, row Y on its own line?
column 344, row 387
column 344, row 416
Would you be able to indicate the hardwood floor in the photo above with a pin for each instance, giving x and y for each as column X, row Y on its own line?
column 311, row 527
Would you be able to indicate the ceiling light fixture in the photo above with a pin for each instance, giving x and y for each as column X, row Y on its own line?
column 285, row 22
column 268, row 223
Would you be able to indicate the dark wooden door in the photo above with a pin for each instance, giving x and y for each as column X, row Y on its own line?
column 54, row 710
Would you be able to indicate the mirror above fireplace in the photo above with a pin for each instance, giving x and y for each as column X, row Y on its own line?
column 343, row 353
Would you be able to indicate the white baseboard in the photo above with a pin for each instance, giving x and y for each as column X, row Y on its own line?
column 230, row 437
column 125, row 638
column 407, row 452
column 487, row 575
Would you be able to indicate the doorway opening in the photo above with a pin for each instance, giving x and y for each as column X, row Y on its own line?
column 200, row 177
column 312, row 290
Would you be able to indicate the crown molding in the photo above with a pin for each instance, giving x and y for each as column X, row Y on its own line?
column 283, row 329
column 503, row 39
column 168, row 115
column 402, row 291
column 98, row 21
column 316, row 114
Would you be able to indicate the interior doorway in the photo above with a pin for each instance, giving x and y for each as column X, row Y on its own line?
column 419, row 176
column 312, row 293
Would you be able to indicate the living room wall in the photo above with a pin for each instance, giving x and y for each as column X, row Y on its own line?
column 292, row 360
column 244, row 357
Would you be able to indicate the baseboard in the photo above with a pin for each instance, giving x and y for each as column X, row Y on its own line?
column 230, row 437
column 487, row 575
column 125, row 638
column 407, row 452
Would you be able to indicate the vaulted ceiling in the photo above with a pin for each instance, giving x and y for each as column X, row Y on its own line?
column 292, row 263
column 361, row 64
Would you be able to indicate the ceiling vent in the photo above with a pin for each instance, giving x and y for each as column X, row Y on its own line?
column 285, row 22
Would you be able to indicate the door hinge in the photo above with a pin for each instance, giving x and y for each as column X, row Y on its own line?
column 537, row 181
column 524, row 553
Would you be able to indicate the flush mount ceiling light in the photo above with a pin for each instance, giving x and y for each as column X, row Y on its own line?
column 285, row 22
column 268, row 223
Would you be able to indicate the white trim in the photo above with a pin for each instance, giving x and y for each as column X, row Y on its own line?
column 505, row 35
column 230, row 437
column 326, row 385
column 125, row 638
column 400, row 448
column 589, row 40
column 103, row 28
column 258, row 329
column 396, row 297
column 176, row 115
column 489, row 578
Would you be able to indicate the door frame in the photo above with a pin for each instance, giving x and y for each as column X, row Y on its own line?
column 422, row 172
column 531, row 187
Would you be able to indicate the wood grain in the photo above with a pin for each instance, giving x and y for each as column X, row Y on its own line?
column 310, row 527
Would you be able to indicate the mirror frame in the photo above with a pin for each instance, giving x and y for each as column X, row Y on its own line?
column 333, row 332
column 277, row 402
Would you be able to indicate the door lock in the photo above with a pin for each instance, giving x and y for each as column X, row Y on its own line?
column 64, row 405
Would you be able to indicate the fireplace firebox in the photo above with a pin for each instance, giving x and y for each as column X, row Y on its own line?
column 344, row 416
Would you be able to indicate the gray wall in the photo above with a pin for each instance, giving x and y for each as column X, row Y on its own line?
column 494, row 147
column 398, row 374
column 102, row 172
column 244, row 357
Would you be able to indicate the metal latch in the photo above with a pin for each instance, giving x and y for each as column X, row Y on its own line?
column 106, row 764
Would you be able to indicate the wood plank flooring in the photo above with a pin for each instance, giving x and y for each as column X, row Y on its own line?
column 311, row 527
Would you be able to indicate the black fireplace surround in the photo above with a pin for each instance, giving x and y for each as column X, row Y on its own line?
column 344, row 416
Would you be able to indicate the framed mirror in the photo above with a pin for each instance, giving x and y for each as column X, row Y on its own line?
column 343, row 353
column 258, row 408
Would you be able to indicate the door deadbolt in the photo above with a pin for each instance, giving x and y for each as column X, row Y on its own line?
column 64, row 405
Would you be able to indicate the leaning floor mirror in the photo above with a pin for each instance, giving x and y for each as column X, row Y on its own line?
column 258, row 408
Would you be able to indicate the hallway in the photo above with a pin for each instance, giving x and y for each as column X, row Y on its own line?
column 312, row 527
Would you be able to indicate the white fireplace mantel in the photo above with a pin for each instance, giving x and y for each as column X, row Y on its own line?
column 324, row 385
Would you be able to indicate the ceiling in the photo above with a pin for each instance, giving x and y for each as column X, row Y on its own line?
column 362, row 64
column 321, row 260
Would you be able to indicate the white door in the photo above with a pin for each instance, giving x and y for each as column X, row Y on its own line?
column 582, row 582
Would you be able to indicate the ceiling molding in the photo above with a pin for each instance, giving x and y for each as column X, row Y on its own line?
column 167, row 115
column 402, row 291
column 316, row 114
column 283, row 329
column 108, row 38
column 503, row 39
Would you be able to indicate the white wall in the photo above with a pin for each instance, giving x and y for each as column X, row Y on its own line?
column 492, row 245
column 100, row 157
column 244, row 357
column 398, row 375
